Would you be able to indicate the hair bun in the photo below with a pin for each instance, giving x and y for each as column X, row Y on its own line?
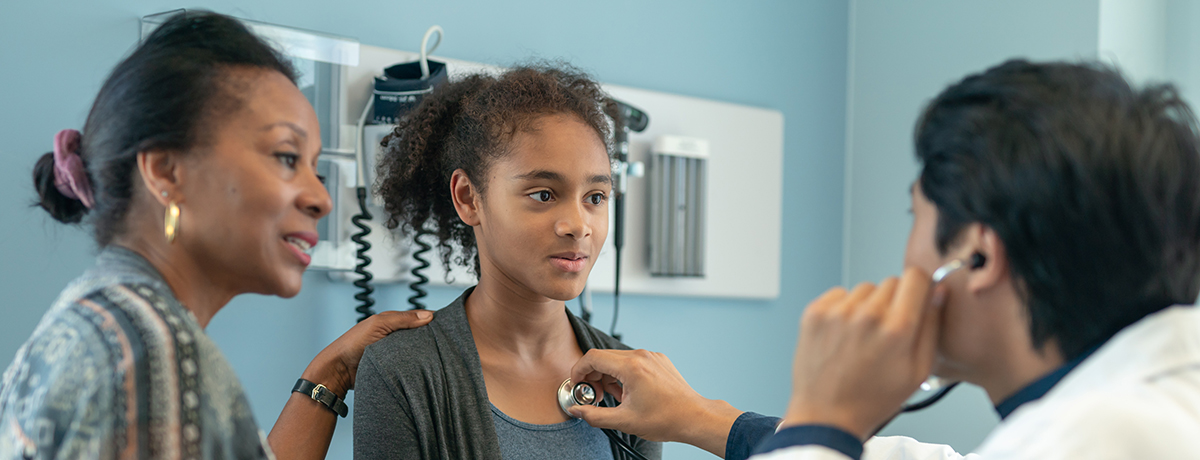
column 61, row 208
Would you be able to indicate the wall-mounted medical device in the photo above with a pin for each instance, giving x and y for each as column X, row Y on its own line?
column 742, row 205
column 335, row 250
column 678, row 183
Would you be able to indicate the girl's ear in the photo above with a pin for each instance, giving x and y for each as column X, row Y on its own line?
column 466, row 197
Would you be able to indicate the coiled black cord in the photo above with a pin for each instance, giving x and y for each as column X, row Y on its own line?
column 418, row 286
column 363, row 283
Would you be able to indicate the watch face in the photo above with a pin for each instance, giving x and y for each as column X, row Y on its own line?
column 322, row 394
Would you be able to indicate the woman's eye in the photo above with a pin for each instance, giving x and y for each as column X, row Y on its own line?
column 597, row 199
column 321, row 178
column 541, row 196
column 288, row 159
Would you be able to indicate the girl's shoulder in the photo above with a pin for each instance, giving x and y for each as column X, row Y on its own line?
column 446, row 340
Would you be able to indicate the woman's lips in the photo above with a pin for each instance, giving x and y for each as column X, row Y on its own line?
column 300, row 242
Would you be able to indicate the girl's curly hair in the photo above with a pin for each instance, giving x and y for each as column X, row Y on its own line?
column 467, row 125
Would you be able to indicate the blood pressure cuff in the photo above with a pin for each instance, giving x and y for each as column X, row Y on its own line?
column 401, row 88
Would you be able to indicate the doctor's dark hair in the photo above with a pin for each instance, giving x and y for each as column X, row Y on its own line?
column 1093, row 187
column 467, row 125
column 163, row 96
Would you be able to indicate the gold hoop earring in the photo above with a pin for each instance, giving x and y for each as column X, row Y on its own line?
column 171, row 221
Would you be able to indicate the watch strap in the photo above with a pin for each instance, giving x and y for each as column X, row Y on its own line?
column 323, row 395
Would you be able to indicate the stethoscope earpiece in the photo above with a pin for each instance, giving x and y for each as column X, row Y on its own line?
column 977, row 261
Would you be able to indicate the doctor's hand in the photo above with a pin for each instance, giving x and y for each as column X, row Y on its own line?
column 657, row 404
column 862, row 353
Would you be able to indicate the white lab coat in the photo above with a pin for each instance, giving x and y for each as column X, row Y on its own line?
column 1137, row 397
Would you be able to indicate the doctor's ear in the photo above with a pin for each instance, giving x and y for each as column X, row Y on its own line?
column 989, row 262
column 161, row 171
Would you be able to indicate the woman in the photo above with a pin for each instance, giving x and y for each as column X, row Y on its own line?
column 513, row 171
column 202, row 124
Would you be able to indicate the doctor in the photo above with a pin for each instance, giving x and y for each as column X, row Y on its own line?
column 1073, row 201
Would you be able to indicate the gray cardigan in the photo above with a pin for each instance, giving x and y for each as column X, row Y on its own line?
column 420, row 393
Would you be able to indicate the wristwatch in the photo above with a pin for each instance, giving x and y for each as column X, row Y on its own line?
column 323, row 395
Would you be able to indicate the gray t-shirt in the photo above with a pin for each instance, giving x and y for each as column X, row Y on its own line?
column 570, row 440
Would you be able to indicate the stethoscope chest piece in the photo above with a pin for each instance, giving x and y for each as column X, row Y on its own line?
column 580, row 394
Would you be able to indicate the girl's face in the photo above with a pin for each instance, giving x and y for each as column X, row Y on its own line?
column 250, row 198
column 544, row 214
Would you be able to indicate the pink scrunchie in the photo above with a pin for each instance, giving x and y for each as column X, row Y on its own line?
column 70, row 177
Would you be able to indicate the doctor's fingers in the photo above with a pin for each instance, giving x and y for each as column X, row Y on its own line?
column 597, row 365
column 627, row 366
column 833, row 310
column 846, row 306
column 909, row 305
column 877, row 305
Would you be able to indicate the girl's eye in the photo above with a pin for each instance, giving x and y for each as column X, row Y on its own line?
column 288, row 159
column 541, row 196
column 597, row 199
column 321, row 178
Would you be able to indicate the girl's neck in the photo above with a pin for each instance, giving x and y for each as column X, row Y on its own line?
column 506, row 317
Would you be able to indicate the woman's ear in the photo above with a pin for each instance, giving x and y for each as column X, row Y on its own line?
column 466, row 197
column 994, row 257
column 161, row 171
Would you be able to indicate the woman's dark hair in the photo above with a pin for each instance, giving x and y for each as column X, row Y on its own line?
column 467, row 125
column 1092, row 186
column 161, row 97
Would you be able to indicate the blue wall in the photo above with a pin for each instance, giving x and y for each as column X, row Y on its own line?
column 785, row 55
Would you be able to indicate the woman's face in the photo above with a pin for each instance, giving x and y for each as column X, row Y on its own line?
column 250, row 196
column 544, row 213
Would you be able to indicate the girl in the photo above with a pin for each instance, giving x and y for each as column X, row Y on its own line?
column 513, row 174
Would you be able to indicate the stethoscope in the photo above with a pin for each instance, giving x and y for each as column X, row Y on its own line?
column 940, row 387
column 584, row 394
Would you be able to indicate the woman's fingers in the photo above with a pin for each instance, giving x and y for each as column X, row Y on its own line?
column 391, row 321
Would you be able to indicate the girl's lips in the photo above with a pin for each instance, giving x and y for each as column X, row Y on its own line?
column 569, row 265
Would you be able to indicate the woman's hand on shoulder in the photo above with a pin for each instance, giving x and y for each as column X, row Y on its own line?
column 337, row 364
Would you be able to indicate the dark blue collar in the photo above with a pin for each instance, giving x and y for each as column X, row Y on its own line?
column 1040, row 387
